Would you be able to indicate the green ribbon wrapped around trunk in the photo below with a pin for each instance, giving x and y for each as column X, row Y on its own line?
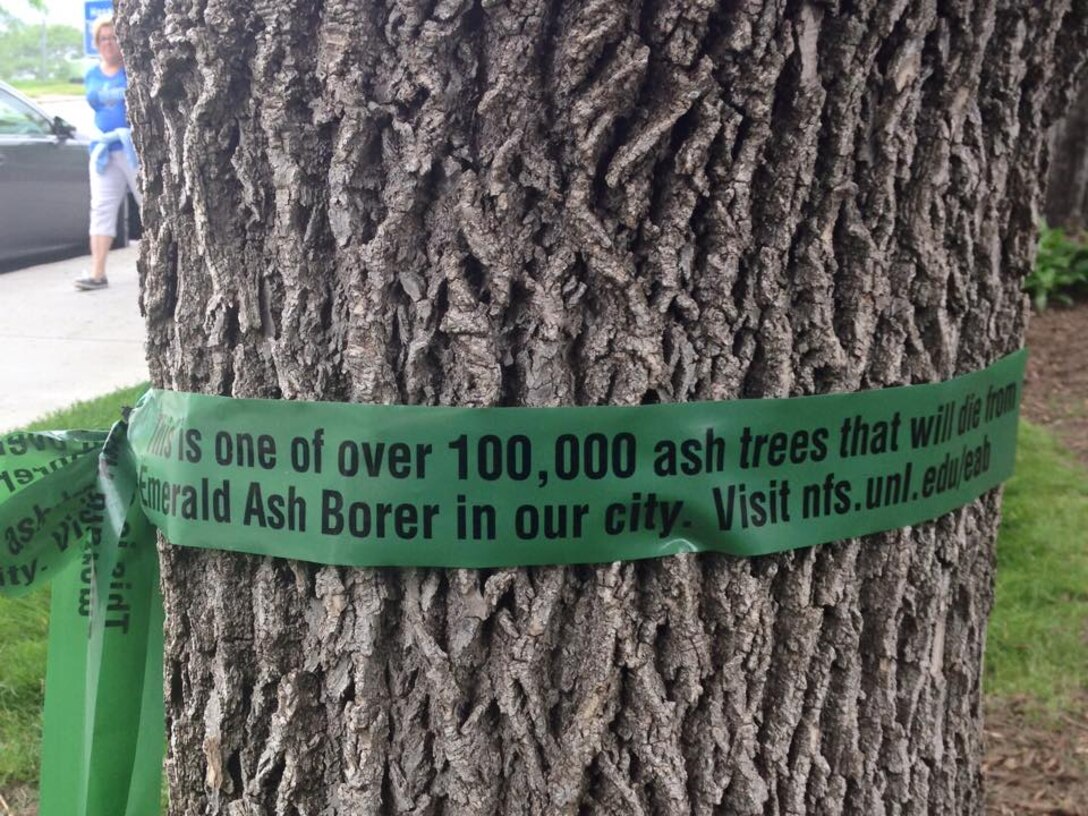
column 371, row 485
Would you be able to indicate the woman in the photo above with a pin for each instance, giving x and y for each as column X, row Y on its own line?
column 113, row 162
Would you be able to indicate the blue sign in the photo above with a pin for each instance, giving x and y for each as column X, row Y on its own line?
column 92, row 10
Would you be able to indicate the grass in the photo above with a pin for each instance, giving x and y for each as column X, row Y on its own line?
column 23, row 623
column 1038, row 642
column 37, row 88
column 1038, row 637
column 98, row 413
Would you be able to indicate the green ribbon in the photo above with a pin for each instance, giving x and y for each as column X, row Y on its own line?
column 370, row 485
column 68, row 513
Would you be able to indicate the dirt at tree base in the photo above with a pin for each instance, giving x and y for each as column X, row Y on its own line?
column 1056, row 391
column 19, row 799
column 1034, row 765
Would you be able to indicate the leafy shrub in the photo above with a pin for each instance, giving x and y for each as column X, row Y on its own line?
column 1061, row 268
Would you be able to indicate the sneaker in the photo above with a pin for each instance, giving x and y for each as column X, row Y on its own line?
column 88, row 283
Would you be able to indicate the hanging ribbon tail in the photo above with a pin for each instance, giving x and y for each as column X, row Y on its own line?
column 103, row 726
column 123, row 739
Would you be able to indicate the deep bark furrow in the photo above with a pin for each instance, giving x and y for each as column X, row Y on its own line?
column 555, row 203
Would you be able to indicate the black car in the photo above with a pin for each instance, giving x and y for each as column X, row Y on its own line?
column 44, row 192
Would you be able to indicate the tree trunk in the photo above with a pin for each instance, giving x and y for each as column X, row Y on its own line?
column 1067, row 181
column 579, row 203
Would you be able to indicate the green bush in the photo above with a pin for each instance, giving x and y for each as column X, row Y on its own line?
column 1061, row 268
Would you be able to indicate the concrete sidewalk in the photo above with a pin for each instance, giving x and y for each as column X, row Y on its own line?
column 59, row 345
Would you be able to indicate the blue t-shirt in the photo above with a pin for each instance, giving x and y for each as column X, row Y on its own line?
column 106, row 94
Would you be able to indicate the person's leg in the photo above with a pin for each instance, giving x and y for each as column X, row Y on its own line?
column 107, row 191
column 132, row 181
column 131, row 178
column 100, row 247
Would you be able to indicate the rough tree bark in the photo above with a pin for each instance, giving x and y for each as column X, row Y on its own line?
column 1067, row 181
column 537, row 202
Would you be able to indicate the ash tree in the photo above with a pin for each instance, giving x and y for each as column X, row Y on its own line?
column 545, row 203
column 1067, row 186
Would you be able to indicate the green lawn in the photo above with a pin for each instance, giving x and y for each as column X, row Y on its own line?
column 1038, row 641
column 34, row 88
column 98, row 413
column 23, row 624
column 1038, row 637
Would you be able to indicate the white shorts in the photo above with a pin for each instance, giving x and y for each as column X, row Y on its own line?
column 108, row 191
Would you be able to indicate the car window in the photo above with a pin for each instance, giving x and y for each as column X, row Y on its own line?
column 18, row 119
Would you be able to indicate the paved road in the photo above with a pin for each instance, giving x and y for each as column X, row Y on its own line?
column 59, row 345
